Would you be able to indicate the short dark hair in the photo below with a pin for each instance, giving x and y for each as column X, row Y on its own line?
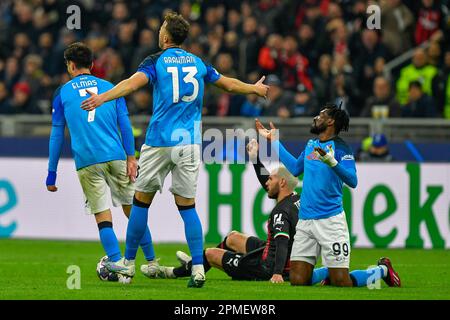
column 340, row 117
column 177, row 27
column 80, row 54
column 415, row 83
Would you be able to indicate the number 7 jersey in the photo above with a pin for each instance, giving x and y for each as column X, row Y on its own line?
column 178, row 78
column 94, row 135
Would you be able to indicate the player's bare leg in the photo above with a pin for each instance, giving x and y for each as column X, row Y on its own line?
column 144, row 197
column 126, row 210
column 214, row 257
column 104, row 216
column 194, row 238
column 340, row 277
column 237, row 241
column 301, row 273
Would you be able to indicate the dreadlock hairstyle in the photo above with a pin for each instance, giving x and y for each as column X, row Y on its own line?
column 340, row 117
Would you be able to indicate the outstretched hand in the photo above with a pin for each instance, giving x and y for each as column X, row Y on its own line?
column 261, row 88
column 271, row 135
column 252, row 149
column 94, row 101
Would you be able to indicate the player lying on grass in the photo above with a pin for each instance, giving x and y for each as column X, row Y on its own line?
column 244, row 257
column 322, row 226
column 173, row 140
column 104, row 157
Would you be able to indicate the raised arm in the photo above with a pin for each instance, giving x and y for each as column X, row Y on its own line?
column 123, row 88
column 237, row 86
column 295, row 166
column 261, row 172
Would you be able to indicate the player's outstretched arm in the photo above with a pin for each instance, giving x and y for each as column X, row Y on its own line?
column 55, row 146
column 123, row 88
column 295, row 166
column 261, row 172
column 237, row 86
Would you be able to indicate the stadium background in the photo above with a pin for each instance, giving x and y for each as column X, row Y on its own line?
column 314, row 51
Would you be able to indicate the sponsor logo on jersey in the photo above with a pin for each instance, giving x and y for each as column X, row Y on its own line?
column 348, row 157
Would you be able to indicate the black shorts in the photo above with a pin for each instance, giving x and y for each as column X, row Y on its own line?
column 247, row 266
column 254, row 243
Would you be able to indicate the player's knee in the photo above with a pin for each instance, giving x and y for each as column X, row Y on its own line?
column 341, row 281
column 141, row 199
column 298, row 280
column 210, row 254
column 232, row 233
column 231, row 237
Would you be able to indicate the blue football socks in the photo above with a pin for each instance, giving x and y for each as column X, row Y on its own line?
column 147, row 245
column 362, row 278
column 109, row 241
column 137, row 226
column 318, row 275
column 193, row 232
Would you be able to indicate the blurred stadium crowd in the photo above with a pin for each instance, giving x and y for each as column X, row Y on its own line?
column 312, row 51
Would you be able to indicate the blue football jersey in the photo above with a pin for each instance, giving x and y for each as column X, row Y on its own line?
column 322, row 188
column 178, row 78
column 95, row 136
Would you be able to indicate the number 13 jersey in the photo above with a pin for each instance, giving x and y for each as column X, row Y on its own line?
column 178, row 78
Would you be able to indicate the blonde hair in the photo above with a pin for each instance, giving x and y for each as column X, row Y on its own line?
column 284, row 173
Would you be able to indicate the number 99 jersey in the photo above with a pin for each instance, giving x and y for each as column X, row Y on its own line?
column 178, row 78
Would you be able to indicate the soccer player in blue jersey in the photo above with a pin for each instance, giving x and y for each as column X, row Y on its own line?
column 173, row 137
column 327, row 163
column 104, row 157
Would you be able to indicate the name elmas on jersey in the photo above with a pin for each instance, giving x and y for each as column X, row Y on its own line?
column 84, row 83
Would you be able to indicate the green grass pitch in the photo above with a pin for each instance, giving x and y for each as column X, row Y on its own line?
column 32, row 269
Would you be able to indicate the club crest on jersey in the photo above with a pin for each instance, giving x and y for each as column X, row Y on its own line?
column 312, row 156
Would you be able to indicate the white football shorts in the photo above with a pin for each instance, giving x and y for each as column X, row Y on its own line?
column 155, row 164
column 327, row 237
column 96, row 179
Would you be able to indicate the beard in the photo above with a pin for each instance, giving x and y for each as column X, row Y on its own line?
column 273, row 194
column 317, row 129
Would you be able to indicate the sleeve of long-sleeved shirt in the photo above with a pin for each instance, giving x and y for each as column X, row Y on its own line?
column 295, row 166
column 125, row 127
column 57, row 134
column 261, row 173
column 281, row 254
column 346, row 167
column 281, row 235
